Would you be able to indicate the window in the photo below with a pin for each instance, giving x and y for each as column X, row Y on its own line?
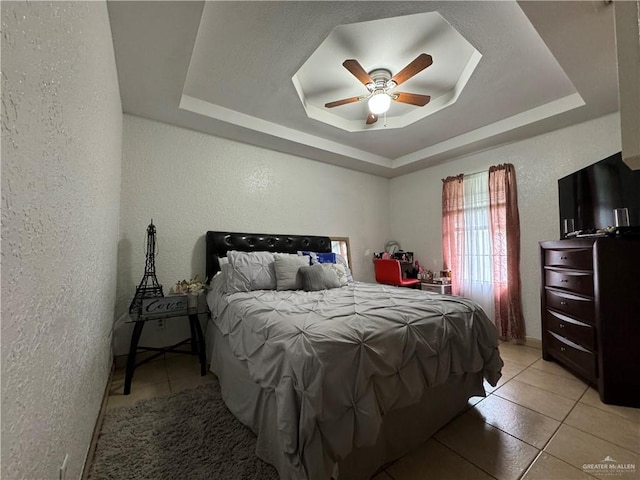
column 340, row 245
column 475, row 274
column 481, row 244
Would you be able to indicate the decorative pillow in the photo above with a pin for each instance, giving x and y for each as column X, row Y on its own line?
column 326, row 257
column 286, row 267
column 316, row 277
column 340, row 271
column 318, row 257
column 312, row 256
column 251, row 271
column 342, row 261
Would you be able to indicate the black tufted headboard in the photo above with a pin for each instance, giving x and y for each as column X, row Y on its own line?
column 218, row 243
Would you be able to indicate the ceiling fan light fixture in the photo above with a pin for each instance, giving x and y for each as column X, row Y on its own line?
column 379, row 102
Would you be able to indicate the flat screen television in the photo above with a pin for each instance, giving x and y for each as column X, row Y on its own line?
column 590, row 196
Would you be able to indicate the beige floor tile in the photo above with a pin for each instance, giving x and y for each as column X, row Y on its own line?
column 183, row 366
column 488, row 388
column 554, row 368
column 144, row 376
column 608, row 426
column 572, row 389
column 519, row 353
column 120, row 361
column 579, row 448
column 117, row 386
column 433, row 461
column 547, row 467
column 523, row 423
column 509, row 370
column 152, row 372
column 151, row 391
column 473, row 400
column 591, row 397
column 538, row 399
column 190, row 382
column 494, row 451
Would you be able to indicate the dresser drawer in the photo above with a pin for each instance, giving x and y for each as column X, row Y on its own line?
column 578, row 307
column 582, row 259
column 578, row 282
column 576, row 357
column 577, row 332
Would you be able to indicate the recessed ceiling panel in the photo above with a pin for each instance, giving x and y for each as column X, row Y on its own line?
column 389, row 44
column 253, row 72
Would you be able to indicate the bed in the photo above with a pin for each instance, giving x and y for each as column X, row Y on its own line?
column 337, row 383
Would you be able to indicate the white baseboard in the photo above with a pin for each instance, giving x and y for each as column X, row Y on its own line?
column 528, row 341
column 533, row 342
column 97, row 427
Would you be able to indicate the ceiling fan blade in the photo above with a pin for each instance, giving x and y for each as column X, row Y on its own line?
column 372, row 118
column 420, row 63
column 357, row 71
column 344, row 101
column 412, row 98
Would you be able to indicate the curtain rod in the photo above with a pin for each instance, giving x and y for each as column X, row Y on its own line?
column 464, row 175
column 475, row 173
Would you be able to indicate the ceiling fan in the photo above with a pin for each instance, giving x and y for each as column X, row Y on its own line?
column 379, row 82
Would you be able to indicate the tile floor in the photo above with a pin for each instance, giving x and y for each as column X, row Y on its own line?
column 539, row 423
column 170, row 373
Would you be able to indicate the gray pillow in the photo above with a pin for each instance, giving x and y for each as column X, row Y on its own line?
column 287, row 266
column 316, row 277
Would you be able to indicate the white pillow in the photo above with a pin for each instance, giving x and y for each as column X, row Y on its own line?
column 286, row 266
column 251, row 271
column 340, row 270
column 311, row 257
column 342, row 261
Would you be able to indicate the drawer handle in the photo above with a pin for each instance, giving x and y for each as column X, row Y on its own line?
column 563, row 258
column 564, row 280
column 563, row 302
column 562, row 325
column 562, row 349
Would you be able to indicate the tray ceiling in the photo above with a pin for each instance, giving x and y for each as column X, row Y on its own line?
column 260, row 73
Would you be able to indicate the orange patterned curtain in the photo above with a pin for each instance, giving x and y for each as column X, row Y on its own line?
column 453, row 228
column 505, row 237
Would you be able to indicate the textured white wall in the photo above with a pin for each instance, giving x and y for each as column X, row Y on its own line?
column 189, row 182
column 416, row 198
column 61, row 158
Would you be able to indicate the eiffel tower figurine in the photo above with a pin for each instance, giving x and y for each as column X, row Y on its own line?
column 149, row 286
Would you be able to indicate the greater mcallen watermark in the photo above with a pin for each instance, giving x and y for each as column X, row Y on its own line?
column 609, row 466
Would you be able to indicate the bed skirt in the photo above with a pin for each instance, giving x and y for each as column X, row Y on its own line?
column 402, row 430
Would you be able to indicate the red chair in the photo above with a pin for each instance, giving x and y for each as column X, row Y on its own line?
column 390, row 273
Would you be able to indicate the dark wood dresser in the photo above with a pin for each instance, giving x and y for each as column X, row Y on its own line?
column 591, row 313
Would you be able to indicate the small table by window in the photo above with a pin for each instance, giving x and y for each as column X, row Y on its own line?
column 441, row 288
column 195, row 342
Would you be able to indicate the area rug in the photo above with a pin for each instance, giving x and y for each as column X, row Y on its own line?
column 187, row 435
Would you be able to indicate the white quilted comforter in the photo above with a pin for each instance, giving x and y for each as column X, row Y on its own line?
column 339, row 359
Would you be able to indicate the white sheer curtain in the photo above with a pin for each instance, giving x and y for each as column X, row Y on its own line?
column 476, row 281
